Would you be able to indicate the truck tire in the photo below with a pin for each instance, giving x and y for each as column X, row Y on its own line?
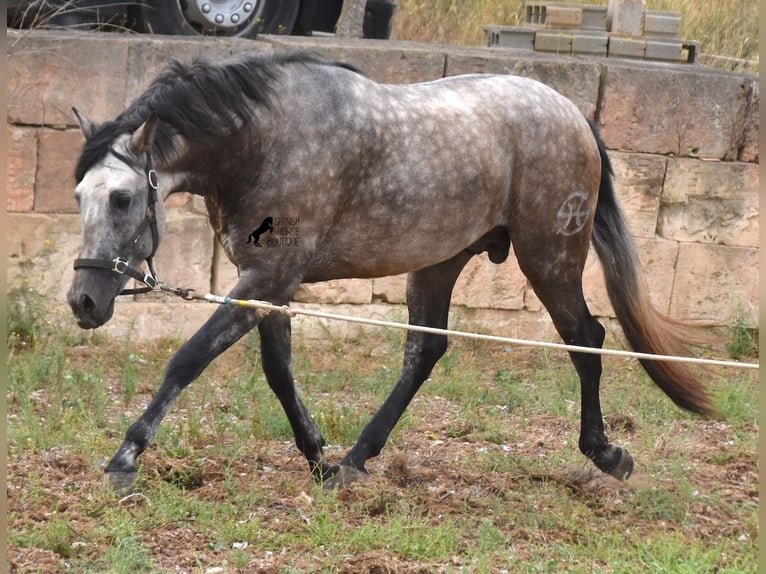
column 245, row 18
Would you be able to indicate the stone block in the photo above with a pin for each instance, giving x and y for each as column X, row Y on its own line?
column 146, row 319
column 483, row 284
column 578, row 80
column 530, row 326
column 626, row 17
column 658, row 259
column 224, row 275
column 21, row 166
column 57, row 157
column 680, row 110
column 556, row 41
column 350, row 291
column 146, row 59
column 49, row 72
column 660, row 23
column 638, row 182
column 716, row 283
column 185, row 256
column 749, row 151
column 41, row 251
column 593, row 44
column 627, row 48
column 380, row 60
column 663, row 51
column 305, row 328
column 711, row 202
column 390, row 289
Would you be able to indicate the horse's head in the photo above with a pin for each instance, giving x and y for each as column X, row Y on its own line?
column 122, row 218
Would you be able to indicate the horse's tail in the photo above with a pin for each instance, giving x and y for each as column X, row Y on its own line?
column 646, row 329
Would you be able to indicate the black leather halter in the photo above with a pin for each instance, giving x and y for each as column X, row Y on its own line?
column 120, row 264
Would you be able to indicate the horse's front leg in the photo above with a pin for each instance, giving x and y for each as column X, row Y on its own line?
column 277, row 366
column 223, row 329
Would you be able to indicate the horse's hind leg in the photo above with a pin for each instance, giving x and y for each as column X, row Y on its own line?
column 560, row 291
column 276, row 356
column 428, row 299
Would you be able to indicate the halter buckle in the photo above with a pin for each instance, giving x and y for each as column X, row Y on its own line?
column 120, row 265
column 153, row 179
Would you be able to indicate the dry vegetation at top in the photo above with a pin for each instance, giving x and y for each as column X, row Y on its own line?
column 725, row 27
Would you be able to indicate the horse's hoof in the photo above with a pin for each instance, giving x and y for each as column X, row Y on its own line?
column 344, row 475
column 121, row 483
column 624, row 467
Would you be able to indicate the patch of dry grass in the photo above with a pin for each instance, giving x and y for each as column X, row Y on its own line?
column 725, row 27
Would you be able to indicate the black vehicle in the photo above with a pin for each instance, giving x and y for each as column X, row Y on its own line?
column 245, row 18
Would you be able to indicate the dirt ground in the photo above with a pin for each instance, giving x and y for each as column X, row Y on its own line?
column 419, row 467
column 425, row 465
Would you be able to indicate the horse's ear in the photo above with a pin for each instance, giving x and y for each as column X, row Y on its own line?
column 87, row 126
column 143, row 138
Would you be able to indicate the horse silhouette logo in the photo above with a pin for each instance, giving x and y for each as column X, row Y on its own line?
column 266, row 225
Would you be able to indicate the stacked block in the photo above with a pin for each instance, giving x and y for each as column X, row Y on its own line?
column 623, row 29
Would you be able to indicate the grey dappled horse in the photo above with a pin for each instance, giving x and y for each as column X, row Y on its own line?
column 381, row 179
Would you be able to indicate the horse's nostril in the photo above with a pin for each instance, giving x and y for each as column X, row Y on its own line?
column 87, row 305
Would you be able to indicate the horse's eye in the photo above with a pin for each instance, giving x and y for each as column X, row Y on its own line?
column 120, row 199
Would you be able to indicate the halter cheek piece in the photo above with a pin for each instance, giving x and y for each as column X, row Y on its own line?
column 120, row 264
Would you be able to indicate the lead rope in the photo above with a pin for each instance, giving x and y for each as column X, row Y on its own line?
column 264, row 308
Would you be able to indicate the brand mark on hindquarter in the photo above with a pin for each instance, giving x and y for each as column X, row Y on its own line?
column 573, row 213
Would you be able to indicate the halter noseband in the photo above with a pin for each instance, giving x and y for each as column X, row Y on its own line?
column 120, row 264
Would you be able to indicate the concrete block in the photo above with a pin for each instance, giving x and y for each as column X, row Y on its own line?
column 557, row 41
column 561, row 17
column 49, row 72
column 57, row 157
column 638, row 182
column 626, row 17
column 711, row 202
column 594, row 17
column 716, row 283
column 350, row 291
column 627, row 47
column 663, row 51
column 680, row 110
column 534, row 13
column 578, row 80
column 590, row 44
column 510, row 37
column 660, row 23
column 22, row 166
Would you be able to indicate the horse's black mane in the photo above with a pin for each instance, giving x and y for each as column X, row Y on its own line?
column 200, row 98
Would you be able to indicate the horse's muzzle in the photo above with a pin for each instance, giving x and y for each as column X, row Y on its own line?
column 92, row 301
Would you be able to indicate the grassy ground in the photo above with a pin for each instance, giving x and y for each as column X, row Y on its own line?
column 481, row 475
column 725, row 27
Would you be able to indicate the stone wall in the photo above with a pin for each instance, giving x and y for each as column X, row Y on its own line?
column 683, row 141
